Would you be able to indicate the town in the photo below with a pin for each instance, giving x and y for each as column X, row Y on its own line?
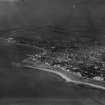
column 88, row 63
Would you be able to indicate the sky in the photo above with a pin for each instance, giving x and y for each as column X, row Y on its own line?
column 49, row 11
column 75, row 15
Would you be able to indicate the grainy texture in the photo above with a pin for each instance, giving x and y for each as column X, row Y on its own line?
column 71, row 19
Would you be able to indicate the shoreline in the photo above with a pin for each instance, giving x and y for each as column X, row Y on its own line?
column 69, row 77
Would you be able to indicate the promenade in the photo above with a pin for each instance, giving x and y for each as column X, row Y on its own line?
column 68, row 76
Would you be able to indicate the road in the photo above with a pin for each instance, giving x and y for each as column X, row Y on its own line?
column 69, row 76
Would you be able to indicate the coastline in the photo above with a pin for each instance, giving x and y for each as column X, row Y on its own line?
column 70, row 77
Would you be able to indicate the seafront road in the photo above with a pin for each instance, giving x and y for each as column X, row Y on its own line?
column 69, row 76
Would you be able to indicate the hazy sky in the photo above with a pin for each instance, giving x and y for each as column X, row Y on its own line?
column 67, row 12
